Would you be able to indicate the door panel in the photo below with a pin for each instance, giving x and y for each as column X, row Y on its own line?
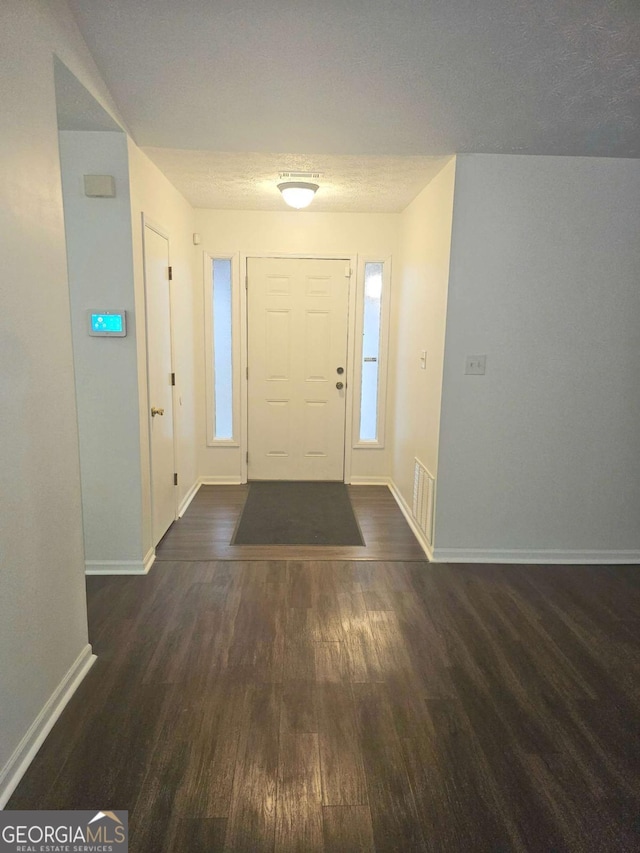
column 278, row 345
column 158, row 306
column 317, row 346
column 297, row 338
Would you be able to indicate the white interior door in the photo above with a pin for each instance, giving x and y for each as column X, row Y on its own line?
column 158, row 304
column 297, row 314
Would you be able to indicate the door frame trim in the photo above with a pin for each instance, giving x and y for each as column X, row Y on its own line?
column 147, row 222
column 350, row 259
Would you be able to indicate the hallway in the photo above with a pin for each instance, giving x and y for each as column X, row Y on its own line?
column 356, row 706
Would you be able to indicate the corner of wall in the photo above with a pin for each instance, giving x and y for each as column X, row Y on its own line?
column 420, row 308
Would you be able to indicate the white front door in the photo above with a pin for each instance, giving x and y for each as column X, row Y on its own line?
column 158, row 305
column 297, row 312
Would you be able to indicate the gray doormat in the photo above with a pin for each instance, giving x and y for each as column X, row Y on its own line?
column 297, row 513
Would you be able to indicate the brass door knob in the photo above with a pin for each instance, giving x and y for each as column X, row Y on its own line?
column 155, row 411
column 339, row 386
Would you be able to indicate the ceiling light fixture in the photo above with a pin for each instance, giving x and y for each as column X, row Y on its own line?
column 298, row 194
column 298, row 188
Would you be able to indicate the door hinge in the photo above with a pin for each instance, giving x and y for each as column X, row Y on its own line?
column 247, row 456
column 173, row 379
column 246, row 282
column 170, row 273
column 247, row 371
column 175, row 479
column 347, row 272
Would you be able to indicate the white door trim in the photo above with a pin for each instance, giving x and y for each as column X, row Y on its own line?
column 153, row 226
column 352, row 261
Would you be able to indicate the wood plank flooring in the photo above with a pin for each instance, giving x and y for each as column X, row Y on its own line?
column 357, row 706
column 207, row 527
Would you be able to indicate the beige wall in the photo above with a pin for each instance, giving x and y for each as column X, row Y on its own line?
column 104, row 249
column 99, row 256
column 539, row 458
column 263, row 233
column 43, row 627
column 153, row 195
column 418, row 323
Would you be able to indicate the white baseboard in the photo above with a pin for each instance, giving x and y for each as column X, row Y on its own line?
column 406, row 511
column 149, row 559
column 370, row 481
column 25, row 752
column 220, row 481
column 193, row 491
column 120, row 567
column 548, row 556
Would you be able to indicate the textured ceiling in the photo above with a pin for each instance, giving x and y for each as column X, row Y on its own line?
column 239, row 181
column 368, row 77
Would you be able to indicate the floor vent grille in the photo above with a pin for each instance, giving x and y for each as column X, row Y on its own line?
column 423, row 495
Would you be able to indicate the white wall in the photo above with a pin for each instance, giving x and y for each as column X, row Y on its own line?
column 43, row 627
column 99, row 255
column 542, row 452
column 289, row 232
column 153, row 195
column 418, row 323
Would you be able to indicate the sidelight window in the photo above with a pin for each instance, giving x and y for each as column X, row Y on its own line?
column 374, row 290
column 221, row 380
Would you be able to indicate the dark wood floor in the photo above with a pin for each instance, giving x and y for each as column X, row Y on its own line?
column 206, row 530
column 357, row 706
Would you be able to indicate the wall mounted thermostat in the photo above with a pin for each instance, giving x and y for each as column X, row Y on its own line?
column 107, row 324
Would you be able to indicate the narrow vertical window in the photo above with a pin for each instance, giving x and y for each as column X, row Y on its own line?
column 371, row 338
column 221, row 325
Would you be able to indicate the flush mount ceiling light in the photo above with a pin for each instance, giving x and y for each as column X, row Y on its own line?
column 296, row 190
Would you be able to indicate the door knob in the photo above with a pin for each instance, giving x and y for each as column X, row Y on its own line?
column 340, row 370
column 339, row 386
column 155, row 411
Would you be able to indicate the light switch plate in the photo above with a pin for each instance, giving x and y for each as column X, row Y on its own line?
column 476, row 365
